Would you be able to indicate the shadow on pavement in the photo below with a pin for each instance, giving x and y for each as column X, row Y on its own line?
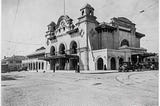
column 10, row 77
column 98, row 72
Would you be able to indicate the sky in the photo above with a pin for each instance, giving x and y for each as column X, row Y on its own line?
column 24, row 22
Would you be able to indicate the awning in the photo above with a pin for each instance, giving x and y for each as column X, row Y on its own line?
column 144, row 55
column 65, row 56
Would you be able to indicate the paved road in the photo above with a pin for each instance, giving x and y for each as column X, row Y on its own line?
column 74, row 89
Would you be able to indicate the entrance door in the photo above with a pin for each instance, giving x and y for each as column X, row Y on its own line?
column 73, row 64
column 100, row 64
column 52, row 65
column 113, row 63
column 120, row 61
column 62, row 64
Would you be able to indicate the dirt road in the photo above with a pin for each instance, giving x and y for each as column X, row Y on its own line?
column 74, row 89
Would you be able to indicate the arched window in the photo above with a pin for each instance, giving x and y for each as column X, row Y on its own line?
column 73, row 47
column 82, row 12
column 100, row 64
column 63, row 28
column 113, row 63
column 52, row 50
column 61, row 49
column 124, row 42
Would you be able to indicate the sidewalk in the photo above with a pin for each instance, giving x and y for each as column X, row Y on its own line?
column 84, row 71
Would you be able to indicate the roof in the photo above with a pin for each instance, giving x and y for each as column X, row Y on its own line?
column 87, row 6
column 41, row 48
column 104, row 25
column 139, row 35
column 59, row 56
column 145, row 54
column 14, row 57
column 52, row 24
column 39, row 51
column 124, row 19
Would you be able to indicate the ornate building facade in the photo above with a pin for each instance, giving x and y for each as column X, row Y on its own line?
column 89, row 44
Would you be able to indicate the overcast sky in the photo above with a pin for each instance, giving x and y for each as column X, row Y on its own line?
column 24, row 32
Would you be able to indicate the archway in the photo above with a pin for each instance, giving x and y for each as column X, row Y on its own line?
column 52, row 63
column 100, row 64
column 52, row 51
column 113, row 63
column 120, row 61
column 73, row 50
column 124, row 42
column 73, row 47
column 61, row 60
column 62, row 49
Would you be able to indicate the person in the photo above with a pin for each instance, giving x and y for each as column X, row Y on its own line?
column 105, row 68
column 54, row 69
column 78, row 70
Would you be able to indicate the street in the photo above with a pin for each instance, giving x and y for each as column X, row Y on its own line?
column 80, row 89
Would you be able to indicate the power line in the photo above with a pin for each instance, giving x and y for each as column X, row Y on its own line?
column 144, row 10
column 21, row 42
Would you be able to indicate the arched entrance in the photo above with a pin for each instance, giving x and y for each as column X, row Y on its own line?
column 120, row 61
column 61, row 60
column 124, row 42
column 52, row 62
column 62, row 49
column 113, row 63
column 73, row 47
column 52, row 50
column 100, row 64
column 73, row 50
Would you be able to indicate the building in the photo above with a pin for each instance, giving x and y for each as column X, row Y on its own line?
column 11, row 63
column 90, row 44
column 32, row 61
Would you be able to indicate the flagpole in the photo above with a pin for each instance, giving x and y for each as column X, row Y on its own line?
column 64, row 7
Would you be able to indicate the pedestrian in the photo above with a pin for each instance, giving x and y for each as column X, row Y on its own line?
column 78, row 70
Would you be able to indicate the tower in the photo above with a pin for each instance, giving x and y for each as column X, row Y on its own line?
column 87, row 14
column 87, row 22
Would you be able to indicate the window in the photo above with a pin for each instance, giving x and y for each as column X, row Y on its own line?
column 124, row 42
column 18, row 61
column 11, row 61
column 52, row 50
column 42, row 65
column 39, row 66
column 63, row 28
column 82, row 12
